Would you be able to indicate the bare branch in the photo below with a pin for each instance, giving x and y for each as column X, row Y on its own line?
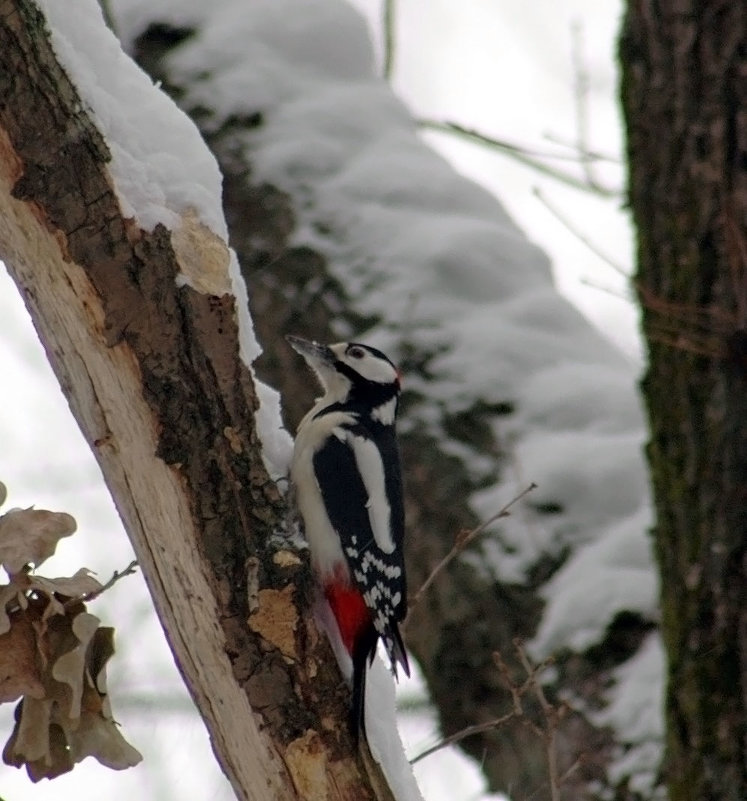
column 573, row 768
column 462, row 540
column 551, row 714
column 591, row 154
column 478, row 728
column 388, row 23
column 583, row 238
column 522, row 155
column 493, row 142
column 581, row 84
column 625, row 296
column 116, row 576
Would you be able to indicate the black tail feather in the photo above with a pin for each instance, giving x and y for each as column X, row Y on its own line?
column 363, row 651
column 396, row 650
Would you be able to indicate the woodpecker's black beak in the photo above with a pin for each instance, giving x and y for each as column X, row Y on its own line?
column 314, row 353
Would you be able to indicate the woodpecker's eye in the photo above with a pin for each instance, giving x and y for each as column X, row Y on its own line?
column 357, row 353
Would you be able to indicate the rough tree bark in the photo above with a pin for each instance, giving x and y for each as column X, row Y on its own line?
column 153, row 376
column 684, row 92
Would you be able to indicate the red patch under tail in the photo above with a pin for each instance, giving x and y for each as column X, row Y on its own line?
column 359, row 637
column 350, row 611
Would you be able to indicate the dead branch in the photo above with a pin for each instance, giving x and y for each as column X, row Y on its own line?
column 387, row 24
column 462, row 540
column 478, row 728
column 116, row 576
column 547, row 730
column 523, row 155
column 581, row 85
column 583, row 238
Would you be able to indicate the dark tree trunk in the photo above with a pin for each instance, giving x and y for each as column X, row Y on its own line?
column 684, row 93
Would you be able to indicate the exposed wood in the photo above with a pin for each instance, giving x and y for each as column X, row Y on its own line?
column 152, row 374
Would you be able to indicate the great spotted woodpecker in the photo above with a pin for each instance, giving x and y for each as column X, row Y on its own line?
column 346, row 472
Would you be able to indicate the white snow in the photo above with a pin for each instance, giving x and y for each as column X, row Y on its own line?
column 383, row 736
column 160, row 165
column 638, row 710
column 161, row 168
column 277, row 445
column 611, row 574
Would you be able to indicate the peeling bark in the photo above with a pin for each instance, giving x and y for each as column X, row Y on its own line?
column 152, row 373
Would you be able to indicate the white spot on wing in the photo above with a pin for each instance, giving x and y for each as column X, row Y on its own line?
column 371, row 469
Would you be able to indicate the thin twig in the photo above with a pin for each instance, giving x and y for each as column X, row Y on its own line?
column 552, row 761
column 552, row 715
column 516, row 692
column 573, row 768
column 463, row 539
column 116, row 576
column 388, row 23
column 552, row 719
column 615, row 293
column 477, row 728
column 593, row 155
column 581, row 83
column 493, row 142
column 566, row 223
column 522, row 155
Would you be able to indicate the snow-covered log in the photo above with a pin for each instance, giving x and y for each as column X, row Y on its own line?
column 111, row 226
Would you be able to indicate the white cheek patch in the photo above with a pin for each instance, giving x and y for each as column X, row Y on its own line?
column 371, row 470
column 370, row 367
column 374, row 369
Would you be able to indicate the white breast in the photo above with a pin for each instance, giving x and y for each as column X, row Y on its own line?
column 324, row 544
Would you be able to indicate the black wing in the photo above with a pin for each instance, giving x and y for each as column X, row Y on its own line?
column 378, row 572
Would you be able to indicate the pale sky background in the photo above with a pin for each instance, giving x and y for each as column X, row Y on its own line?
column 504, row 68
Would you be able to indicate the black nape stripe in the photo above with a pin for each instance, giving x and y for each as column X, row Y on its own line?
column 365, row 392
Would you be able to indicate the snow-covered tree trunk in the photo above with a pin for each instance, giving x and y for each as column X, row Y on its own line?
column 144, row 333
column 685, row 99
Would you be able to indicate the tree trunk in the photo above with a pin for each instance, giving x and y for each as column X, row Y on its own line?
column 684, row 93
column 152, row 372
